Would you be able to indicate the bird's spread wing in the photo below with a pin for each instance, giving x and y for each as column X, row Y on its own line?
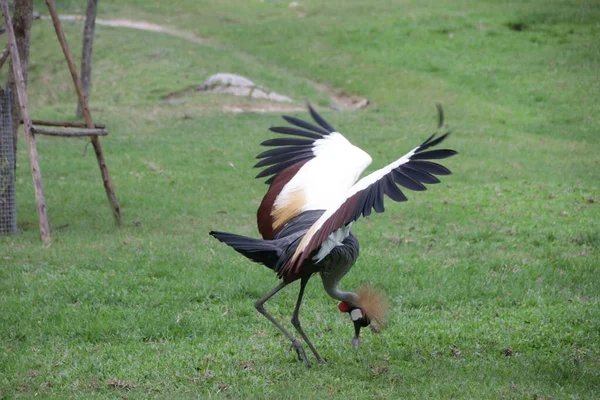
column 290, row 151
column 310, row 171
column 411, row 171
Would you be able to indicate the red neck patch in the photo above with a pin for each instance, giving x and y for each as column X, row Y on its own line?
column 343, row 306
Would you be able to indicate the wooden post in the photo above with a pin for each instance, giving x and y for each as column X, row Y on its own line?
column 65, row 124
column 21, row 23
column 69, row 132
column 38, row 185
column 108, row 186
column 86, row 51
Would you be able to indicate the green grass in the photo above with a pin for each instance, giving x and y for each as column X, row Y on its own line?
column 503, row 254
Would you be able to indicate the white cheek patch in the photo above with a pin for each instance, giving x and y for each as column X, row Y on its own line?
column 356, row 314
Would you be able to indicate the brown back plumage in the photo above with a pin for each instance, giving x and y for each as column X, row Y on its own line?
column 268, row 225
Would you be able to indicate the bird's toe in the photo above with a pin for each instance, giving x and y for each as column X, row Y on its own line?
column 297, row 345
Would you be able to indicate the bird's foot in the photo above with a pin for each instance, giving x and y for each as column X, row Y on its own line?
column 297, row 345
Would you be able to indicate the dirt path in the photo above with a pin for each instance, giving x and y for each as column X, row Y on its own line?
column 142, row 26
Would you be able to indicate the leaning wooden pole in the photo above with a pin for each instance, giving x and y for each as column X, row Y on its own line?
column 87, row 49
column 38, row 185
column 108, row 186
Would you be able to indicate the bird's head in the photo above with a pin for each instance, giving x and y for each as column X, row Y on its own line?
column 370, row 310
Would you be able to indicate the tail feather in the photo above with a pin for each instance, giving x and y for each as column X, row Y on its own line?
column 266, row 252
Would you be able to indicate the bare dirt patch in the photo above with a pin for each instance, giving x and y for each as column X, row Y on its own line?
column 262, row 108
column 340, row 98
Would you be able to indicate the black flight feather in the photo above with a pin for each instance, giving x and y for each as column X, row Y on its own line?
column 378, row 201
column 284, row 150
column 292, row 155
column 305, row 125
column 392, row 190
column 431, row 167
column 440, row 111
column 320, row 120
column 367, row 201
column 287, row 142
column 274, row 169
column 433, row 154
column 406, row 181
column 418, row 175
column 286, row 130
column 432, row 141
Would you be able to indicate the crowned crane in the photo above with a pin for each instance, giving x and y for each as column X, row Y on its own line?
column 313, row 198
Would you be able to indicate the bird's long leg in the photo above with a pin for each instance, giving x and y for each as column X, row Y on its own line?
column 296, row 320
column 261, row 309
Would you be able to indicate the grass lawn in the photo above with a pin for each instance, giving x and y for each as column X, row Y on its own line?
column 493, row 275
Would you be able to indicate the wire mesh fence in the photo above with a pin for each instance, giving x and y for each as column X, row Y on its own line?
column 8, row 211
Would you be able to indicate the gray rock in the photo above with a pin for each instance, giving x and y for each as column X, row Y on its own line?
column 240, row 86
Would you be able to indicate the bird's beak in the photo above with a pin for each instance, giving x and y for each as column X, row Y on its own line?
column 355, row 339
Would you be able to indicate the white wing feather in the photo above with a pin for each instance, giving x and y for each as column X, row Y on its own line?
column 326, row 179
